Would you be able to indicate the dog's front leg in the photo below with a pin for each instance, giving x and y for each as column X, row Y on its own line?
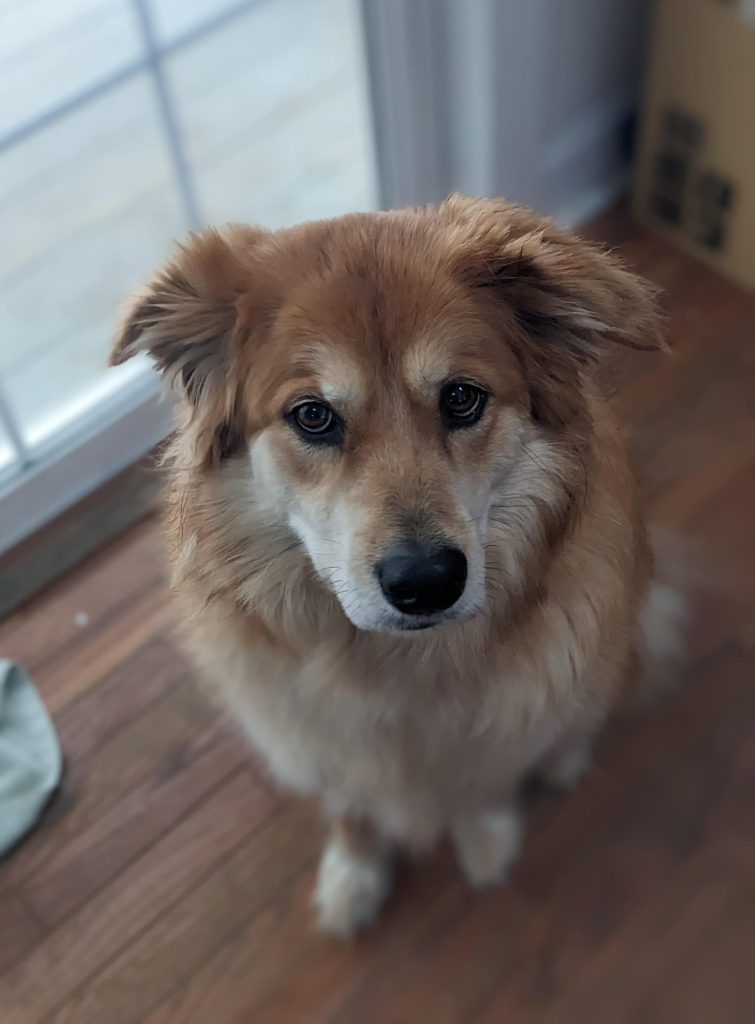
column 354, row 877
column 487, row 843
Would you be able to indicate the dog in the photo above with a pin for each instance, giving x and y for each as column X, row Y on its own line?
column 406, row 539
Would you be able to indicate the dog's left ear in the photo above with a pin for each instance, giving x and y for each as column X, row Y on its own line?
column 566, row 293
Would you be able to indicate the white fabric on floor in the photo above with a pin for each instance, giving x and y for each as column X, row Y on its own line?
column 30, row 758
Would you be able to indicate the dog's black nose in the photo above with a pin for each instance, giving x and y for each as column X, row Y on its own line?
column 421, row 579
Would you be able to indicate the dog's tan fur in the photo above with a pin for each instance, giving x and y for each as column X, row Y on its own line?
column 403, row 735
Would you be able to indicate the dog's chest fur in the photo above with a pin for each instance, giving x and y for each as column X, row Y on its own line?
column 426, row 739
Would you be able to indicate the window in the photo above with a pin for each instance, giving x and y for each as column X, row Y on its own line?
column 123, row 124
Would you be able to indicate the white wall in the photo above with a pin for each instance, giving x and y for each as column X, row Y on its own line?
column 530, row 98
column 559, row 80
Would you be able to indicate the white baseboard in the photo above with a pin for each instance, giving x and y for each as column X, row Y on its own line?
column 137, row 422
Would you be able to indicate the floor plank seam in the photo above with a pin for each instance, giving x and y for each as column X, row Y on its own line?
column 79, row 908
column 196, row 883
column 188, row 679
column 237, row 930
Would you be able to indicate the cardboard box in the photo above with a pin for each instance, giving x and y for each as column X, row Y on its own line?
column 695, row 172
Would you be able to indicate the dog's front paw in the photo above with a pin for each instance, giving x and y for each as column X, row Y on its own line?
column 487, row 843
column 350, row 889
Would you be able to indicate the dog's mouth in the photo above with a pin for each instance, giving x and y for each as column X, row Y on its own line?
column 385, row 620
column 420, row 624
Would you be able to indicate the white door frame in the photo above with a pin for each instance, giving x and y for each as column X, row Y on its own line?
column 405, row 49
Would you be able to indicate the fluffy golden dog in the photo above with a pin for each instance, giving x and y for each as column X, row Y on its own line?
column 406, row 538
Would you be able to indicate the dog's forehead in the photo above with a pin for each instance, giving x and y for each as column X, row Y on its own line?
column 397, row 320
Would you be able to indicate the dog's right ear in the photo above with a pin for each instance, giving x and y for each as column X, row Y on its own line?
column 186, row 315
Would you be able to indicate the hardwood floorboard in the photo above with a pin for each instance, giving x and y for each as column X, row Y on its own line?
column 19, row 930
column 648, row 962
column 115, row 838
column 186, row 933
column 86, row 942
column 82, row 666
column 168, row 884
column 98, row 587
column 122, row 695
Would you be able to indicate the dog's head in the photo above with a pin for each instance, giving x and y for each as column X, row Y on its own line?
column 396, row 390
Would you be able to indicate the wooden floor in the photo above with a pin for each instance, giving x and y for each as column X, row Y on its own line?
column 168, row 883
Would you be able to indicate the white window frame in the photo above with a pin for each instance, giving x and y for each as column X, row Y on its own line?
column 42, row 480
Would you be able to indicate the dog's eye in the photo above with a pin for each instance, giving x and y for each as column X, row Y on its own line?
column 316, row 420
column 461, row 404
column 314, row 417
